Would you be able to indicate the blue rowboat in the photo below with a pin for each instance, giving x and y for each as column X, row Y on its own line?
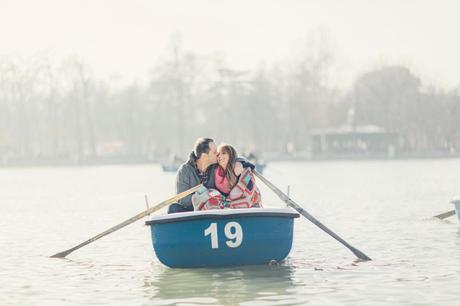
column 229, row 237
column 456, row 202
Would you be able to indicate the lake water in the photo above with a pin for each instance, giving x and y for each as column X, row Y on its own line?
column 383, row 208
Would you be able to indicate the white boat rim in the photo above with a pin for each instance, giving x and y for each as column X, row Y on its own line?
column 224, row 213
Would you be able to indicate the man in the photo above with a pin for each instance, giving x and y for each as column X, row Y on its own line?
column 197, row 170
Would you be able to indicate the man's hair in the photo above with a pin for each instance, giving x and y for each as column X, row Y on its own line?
column 202, row 146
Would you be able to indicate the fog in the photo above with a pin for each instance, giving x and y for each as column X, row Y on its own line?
column 139, row 81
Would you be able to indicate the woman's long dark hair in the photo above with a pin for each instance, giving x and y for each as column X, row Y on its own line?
column 229, row 171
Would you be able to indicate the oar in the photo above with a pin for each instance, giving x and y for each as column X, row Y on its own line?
column 445, row 215
column 129, row 221
column 304, row 213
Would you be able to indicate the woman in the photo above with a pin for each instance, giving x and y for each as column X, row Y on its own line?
column 226, row 174
column 234, row 182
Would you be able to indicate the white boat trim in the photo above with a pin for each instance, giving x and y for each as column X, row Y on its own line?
column 225, row 212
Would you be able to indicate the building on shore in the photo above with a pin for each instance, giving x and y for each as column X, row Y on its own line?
column 355, row 142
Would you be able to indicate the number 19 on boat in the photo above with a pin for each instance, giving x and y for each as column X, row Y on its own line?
column 237, row 235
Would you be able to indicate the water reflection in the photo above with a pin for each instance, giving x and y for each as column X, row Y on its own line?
column 235, row 285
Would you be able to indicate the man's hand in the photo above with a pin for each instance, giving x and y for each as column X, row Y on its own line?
column 246, row 163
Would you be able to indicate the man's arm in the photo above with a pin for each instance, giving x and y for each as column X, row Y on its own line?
column 246, row 163
column 182, row 184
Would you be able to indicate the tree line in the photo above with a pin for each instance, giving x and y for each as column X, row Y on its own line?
column 63, row 112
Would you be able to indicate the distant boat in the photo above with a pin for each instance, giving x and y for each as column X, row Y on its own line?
column 173, row 164
column 260, row 167
column 456, row 202
column 229, row 237
column 260, row 164
column 170, row 167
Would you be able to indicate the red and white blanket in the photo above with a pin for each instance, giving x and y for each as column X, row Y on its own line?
column 245, row 194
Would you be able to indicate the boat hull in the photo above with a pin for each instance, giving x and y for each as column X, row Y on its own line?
column 230, row 237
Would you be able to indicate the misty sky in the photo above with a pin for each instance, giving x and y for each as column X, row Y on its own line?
column 127, row 36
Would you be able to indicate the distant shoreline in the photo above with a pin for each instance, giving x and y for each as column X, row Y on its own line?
column 99, row 161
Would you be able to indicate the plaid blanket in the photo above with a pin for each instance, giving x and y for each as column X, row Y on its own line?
column 245, row 194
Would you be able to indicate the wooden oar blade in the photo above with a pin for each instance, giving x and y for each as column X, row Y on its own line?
column 445, row 215
column 360, row 254
column 61, row 254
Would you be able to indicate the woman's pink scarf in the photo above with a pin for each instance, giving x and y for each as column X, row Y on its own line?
column 222, row 183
